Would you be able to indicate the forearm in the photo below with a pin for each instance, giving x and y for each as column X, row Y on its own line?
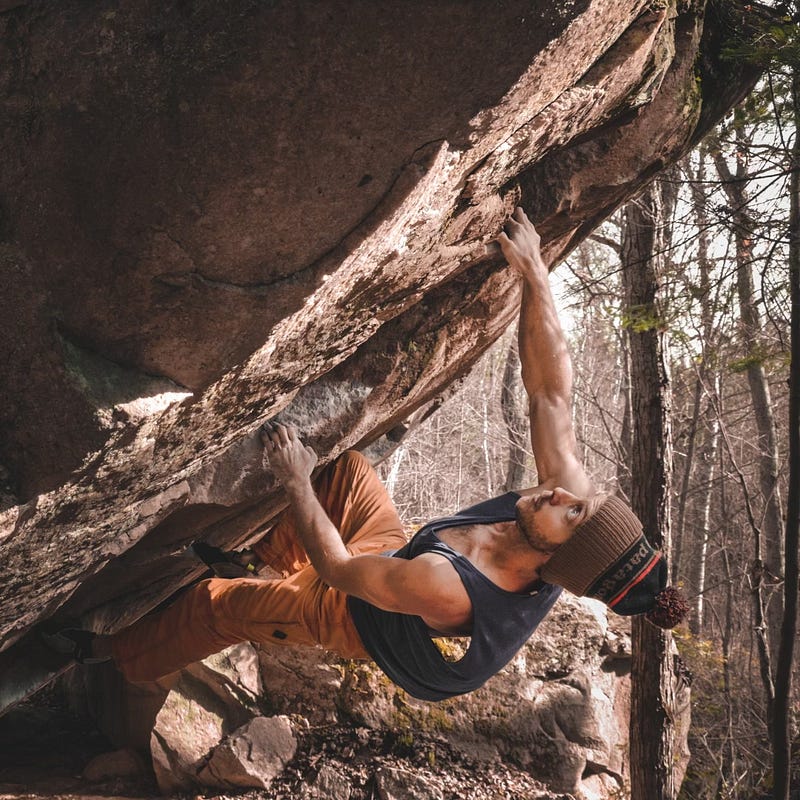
column 319, row 536
column 292, row 463
column 544, row 355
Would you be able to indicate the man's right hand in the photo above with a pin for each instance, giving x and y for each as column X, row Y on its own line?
column 290, row 460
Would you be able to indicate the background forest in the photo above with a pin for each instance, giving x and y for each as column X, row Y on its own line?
column 715, row 235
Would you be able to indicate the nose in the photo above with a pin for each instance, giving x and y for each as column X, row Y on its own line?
column 561, row 496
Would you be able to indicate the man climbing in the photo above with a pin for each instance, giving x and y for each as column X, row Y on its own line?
column 353, row 584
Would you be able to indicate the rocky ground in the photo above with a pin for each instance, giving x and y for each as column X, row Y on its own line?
column 48, row 751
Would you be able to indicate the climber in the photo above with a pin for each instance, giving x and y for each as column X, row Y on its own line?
column 351, row 582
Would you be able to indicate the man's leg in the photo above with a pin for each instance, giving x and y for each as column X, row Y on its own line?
column 209, row 617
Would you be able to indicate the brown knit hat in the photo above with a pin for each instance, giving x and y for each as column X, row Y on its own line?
column 609, row 558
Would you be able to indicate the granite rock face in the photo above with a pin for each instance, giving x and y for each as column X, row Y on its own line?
column 212, row 214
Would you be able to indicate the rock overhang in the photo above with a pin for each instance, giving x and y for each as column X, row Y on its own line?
column 344, row 287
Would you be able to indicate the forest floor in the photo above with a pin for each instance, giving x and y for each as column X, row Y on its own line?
column 44, row 749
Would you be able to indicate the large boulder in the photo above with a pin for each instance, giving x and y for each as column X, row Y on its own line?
column 213, row 213
column 210, row 731
column 192, row 722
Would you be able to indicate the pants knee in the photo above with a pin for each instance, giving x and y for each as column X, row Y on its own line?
column 351, row 459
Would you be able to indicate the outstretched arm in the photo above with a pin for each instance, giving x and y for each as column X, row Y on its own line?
column 546, row 364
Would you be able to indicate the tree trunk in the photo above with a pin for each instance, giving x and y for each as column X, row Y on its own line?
column 771, row 528
column 728, row 772
column 394, row 470
column 683, row 497
column 652, row 729
column 783, row 672
column 708, row 381
column 704, row 477
column 486, row 392
column 514, row 418
column 626, row 434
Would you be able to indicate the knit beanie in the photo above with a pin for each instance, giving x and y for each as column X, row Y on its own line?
column 609, row 559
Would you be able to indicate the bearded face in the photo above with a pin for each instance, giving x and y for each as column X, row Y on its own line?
column 535, row 537
column 548, row 518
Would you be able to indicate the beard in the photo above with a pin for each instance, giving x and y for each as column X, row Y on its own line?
column 533, row 536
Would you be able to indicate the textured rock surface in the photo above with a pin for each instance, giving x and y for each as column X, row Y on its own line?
column 194, row 719
column 123, row 763
column 252, row 756
column 208, row 217
column 400, row 784
column 329, row 784
column 559, row 709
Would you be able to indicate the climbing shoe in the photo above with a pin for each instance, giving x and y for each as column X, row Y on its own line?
column 73, row 642
column 222, row 564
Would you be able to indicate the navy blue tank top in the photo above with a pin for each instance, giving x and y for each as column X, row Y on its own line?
column 502, row 621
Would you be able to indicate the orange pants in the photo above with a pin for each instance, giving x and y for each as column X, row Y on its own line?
column 298, row 609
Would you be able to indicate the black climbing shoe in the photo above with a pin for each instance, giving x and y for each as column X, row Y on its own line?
column 73, row 642
column 222, row 564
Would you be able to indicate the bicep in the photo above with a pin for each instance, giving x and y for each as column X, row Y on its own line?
column 555, row 447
